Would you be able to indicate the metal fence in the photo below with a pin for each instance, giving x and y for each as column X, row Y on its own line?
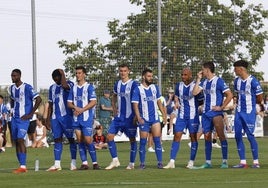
column 191, row 32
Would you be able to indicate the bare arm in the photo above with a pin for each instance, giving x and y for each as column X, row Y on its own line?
column 114, row 101
column 90, row 105
column 77, row 110
column 64, row 82
column 38, row 100
column 197, row 89
column 163, row 111
column 228, row 98
column 259, row 100
column 177, row 102
column 137, row 113
column 49, row 114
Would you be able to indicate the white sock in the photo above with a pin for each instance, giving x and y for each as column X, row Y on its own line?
column 191, row 162
column 57, row 163
column 255, row 161
column 73, row 162
column 85, row 163
column 115, row 159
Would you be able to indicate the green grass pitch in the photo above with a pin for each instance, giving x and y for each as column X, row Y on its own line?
column 150, row 177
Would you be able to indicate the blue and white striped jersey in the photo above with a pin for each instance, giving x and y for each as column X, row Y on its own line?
column 81, row 96
column 188, row 103
column 58, row 96
column 147, row 101
column 124, row 92
column 23, row 97
column 247, row 91
column 213, row 92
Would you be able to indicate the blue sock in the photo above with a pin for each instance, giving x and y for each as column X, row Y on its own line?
column 133, row 151
column 22, row 158
column 224, row 149
column 194, row 148
column 158, row 148
column 240, row 147
column 174, row 149
column 208, row 149
column 112, row 148
column 254, row 146
column 142, row 149
column 73, row 150
column 82, row 151
column 92, row 152
column 57, row 150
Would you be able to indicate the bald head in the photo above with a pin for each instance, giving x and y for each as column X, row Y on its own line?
column 186, row 75
column 187, row 70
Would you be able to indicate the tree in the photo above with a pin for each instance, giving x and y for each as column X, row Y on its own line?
column 193, row 31
column 93, row 58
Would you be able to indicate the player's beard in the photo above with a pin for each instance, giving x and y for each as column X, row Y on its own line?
column 148, row 82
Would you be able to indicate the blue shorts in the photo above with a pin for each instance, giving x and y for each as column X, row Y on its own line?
column 207, row 120
column 19, row 128
column 191, row 124
column 244, row 121
column 62, row 125
column 127, row 126
column 84, row 126
column 146, row 127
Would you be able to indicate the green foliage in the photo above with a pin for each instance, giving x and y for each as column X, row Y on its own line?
column 100, row 71
column 192, row 32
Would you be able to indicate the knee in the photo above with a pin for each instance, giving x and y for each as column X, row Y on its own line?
column 110, row 137
column 132, row 140
column 207, row 136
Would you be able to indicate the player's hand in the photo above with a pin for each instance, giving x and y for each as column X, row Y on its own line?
column 200, row 74
column 61, row 71
column 140, row 120
column 135, row 121
column 77, row 111
column 26, row 117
